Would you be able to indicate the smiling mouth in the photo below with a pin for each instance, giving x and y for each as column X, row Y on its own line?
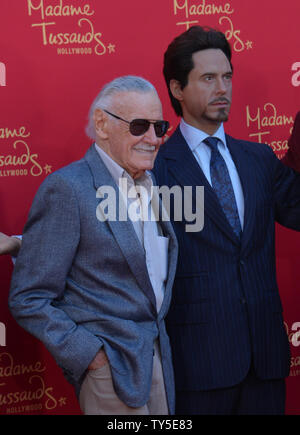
column 145, row 149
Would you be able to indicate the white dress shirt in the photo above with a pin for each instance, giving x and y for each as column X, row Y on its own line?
column 194, row 138
column 148, row 231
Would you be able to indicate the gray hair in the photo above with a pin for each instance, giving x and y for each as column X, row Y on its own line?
column 104, row 98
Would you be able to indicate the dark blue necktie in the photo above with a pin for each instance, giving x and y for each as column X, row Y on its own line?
column 222, row 185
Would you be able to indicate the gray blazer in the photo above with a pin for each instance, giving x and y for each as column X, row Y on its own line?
column 80, row 284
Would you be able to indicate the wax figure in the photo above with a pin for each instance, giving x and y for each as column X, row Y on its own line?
column 230, row 348
column 94, row 289
column 292, row 157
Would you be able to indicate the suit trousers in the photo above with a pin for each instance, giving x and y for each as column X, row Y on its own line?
column 98, row 397
column 252, row 396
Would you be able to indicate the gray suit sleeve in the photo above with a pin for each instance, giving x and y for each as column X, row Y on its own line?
column 50, row 240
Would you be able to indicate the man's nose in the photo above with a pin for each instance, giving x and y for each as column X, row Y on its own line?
column 150, row 136
column 221, row 86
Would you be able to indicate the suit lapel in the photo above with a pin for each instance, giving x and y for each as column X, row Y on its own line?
column 186, row 170
column 123, row 231
column 168, row 231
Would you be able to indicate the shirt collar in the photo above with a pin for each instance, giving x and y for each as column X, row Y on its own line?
column 194, row 136
column 118, row 172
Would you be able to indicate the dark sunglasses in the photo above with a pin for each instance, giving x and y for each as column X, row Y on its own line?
column 138, row 127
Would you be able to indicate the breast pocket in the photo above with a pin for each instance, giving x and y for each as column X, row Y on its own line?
column 191, row 301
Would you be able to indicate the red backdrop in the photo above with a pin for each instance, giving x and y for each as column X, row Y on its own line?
column 55, row 55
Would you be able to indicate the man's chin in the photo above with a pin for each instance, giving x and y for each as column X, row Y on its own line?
column 218, row 118
column 223, row 115
column 138, row 172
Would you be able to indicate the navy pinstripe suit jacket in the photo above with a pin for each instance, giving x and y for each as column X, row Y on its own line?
column 226, row 311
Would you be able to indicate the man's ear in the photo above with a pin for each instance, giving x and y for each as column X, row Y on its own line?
column 176, row 90
column 100, row 123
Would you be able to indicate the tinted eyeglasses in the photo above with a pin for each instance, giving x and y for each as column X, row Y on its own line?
column 138, row 127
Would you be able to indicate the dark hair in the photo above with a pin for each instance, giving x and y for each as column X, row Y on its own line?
column 178, row 60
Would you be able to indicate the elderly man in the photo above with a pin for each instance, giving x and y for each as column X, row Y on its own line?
column 95, row 290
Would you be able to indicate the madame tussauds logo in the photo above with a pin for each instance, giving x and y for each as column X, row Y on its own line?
column 20, row 161
column 188, row 12
column 296, row 74
column 2, row 74
column 80, row 40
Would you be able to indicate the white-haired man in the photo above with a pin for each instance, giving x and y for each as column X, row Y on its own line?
column 95, row 291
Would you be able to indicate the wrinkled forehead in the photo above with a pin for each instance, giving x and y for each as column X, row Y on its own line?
column 135, row 104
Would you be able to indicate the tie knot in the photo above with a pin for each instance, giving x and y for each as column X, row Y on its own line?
column 212, row 142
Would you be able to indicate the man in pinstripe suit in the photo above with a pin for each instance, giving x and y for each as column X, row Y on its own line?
column 230, row 349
